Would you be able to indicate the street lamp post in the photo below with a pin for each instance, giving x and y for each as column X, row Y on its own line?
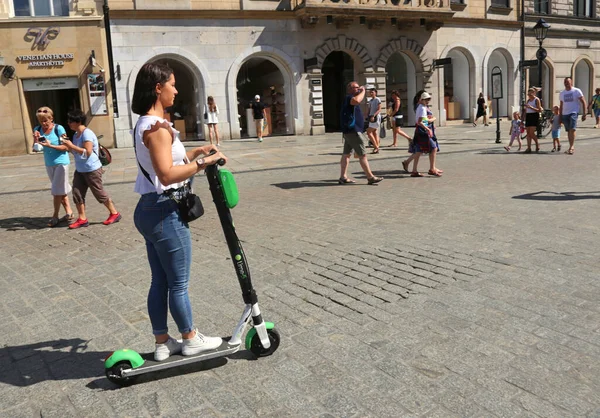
column 541, row 31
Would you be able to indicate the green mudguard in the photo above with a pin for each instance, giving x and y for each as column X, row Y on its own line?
column 124, row 355
column 252, row 333
column 230, row 190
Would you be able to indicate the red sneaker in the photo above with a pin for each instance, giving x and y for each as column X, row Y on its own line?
column 79, row 223
column 112, row 219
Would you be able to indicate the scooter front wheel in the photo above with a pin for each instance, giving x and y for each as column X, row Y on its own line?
column 115, row 374
column 257, row 348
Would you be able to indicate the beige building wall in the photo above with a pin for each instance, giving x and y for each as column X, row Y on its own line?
column 79, row 35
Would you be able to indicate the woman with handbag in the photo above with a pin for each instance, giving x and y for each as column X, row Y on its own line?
column 88, row 170
column 163, row 181
column 211, row 113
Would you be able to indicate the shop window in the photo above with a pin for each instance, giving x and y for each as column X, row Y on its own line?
column 541, row 6
column 41, row 7
column 584, row 8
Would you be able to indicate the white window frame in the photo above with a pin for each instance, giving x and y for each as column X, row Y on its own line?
column 32, row 8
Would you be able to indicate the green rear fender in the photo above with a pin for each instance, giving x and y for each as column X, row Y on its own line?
column 252, row 333
column 125, row 354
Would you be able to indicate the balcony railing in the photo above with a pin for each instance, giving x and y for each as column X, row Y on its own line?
column 374, row 5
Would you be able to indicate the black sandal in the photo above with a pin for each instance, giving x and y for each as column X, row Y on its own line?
column 345, row 180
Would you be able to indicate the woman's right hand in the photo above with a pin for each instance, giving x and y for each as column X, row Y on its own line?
column 36, row 136
column 214, row 158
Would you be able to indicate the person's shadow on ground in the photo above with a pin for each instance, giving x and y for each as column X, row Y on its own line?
column 68, row 359
column 305, row 183
column 24, row 222
column 558, row 196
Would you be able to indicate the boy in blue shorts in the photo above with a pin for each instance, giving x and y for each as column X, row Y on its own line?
column 556, row 122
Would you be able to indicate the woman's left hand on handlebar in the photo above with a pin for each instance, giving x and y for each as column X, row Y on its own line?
column 206, row 149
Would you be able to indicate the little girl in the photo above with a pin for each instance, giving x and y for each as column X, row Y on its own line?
column 556, row 121
column 515, row 131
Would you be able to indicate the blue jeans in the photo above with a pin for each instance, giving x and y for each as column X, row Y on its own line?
column 169, row 247
column 570, row 121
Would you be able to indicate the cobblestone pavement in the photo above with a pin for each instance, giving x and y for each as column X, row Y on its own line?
column 475, row 294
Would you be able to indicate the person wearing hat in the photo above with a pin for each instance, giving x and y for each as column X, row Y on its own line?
column 258, row 108
column 424, row 141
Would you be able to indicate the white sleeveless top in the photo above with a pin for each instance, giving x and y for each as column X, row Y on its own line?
column 142, row 185
column 531, row 103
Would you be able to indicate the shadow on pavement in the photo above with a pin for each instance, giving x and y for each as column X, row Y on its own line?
column 20, row 223
column 67, row 359
column 558, row 196
column 62, row 359
column 306, row 183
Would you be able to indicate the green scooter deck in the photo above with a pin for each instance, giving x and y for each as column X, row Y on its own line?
column 176, row 360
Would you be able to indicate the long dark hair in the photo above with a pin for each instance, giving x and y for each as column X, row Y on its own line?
column 211, row 104
column 417, row 99
column 144, row 92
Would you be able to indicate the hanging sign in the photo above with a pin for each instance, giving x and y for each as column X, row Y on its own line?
column 97, row 93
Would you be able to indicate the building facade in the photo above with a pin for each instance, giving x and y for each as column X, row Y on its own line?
column 298, row 56
column 46, row 51
column 572, row 45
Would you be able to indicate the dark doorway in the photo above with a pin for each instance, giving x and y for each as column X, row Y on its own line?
column 338, row 71
column 184, row 112
column 60, row 101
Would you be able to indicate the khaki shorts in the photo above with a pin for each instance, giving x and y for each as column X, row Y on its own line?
column 354, row 141
column 59, row 177
column 93, row 181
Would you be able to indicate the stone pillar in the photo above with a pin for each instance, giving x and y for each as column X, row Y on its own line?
column 377, row 78
column 315, row 88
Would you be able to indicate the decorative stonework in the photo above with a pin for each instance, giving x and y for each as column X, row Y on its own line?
column 343, row 43
column 84, row 7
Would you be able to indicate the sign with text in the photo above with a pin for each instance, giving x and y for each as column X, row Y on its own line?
column 57, row 83
column 45, row 60
column 97, row 93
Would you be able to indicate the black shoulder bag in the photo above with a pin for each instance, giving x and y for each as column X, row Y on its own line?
column 189, row 205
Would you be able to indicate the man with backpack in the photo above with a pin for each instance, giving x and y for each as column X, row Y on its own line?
column 352, row 122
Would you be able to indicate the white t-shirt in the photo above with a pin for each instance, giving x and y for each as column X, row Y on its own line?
column 142, row 185
column 212, row 116
column 421, row 115
column 570, row 99
column 374, row 105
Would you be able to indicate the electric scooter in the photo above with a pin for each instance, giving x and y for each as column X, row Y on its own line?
column 124, row 366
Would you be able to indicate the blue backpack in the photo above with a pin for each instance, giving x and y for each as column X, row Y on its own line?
column 347, row 118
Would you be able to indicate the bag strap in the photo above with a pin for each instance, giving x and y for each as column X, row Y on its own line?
column 144, row 172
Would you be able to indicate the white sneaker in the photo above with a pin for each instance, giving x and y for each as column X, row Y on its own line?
column 164, row 351
column 199, row 344
column 259, row 139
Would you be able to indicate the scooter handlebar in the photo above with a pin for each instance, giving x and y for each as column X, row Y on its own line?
column 221, row 161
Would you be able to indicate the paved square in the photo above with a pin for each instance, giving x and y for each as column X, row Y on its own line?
column 474, row 294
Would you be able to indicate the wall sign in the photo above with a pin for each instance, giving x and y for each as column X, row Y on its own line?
column 315, row 81
column 58, row 83
column 97, row 93
column 317, row 115
column 41, row 38
column 45, row 60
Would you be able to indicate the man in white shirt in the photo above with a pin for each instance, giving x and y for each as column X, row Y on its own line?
column 570, row 98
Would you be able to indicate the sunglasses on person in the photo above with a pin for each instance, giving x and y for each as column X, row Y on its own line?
column 42, row 111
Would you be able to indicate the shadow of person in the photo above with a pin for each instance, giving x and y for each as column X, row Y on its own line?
column 69, row 359
column 24, row 222
column 305, row 183
column 62, row 359
column 558, row 196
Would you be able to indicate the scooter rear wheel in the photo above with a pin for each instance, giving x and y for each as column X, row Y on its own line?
column 257, row 348
column 115, row 374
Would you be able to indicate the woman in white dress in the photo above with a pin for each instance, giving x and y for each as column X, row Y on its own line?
column 212, row 111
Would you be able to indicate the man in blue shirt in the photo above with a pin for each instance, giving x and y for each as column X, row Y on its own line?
column 352, row 121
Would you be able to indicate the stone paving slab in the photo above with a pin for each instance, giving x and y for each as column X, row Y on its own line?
column 474, row 294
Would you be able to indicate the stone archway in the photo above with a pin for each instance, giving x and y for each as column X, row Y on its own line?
column 416, row 65
column 192, row 62
column 460, row 81
column 499, row 55
column 349, row 45
column 292, row 92
column 583, row 75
